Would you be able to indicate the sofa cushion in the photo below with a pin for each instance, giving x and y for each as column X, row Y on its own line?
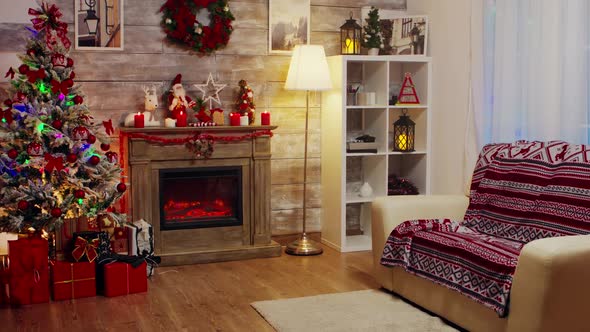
column 477, row 265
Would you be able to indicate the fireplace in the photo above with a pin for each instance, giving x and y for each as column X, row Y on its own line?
column 201, row 209
column 200, row 197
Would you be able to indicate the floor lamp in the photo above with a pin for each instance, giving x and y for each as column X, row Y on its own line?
column 308, row 71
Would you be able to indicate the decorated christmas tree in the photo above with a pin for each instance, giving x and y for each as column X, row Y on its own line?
column 55, row 162
column 372, row 36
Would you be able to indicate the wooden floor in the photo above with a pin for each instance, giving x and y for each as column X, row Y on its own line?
column 206, row 297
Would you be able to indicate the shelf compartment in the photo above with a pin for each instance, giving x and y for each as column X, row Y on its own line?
column 412, row 167
column 371, row 76
column 370, row 122
column 372, row 169
column 420, row 117
column 419, row 71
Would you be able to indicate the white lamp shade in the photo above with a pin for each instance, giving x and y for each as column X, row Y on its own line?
column 308, row 69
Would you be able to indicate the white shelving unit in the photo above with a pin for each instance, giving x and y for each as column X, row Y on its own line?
column 340, row 122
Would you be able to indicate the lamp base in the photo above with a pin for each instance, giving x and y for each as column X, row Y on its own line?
column 304, row 246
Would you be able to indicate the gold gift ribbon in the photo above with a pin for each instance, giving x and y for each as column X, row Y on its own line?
column 73, row 280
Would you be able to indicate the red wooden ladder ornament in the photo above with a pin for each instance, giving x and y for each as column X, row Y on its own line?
column 407, row 94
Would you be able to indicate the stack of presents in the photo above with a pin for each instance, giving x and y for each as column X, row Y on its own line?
column 82, row 259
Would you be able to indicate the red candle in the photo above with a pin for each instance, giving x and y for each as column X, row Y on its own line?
column 139, row 120
column 265, row 118
column 181, row 119
column 234, row 119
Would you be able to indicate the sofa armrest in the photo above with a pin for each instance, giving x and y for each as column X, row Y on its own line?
column 390, row 211
column 551, row 286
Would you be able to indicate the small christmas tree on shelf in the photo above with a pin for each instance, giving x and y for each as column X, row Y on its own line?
column 372, row 35
column 50, row 165
column 245, row 102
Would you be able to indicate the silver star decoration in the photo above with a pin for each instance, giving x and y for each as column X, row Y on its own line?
column 210, row 91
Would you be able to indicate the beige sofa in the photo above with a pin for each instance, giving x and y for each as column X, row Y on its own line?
column 551, row 286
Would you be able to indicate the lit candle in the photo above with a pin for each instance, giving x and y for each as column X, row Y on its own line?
column 138, row 120
column 181, row 119
column 234, row 119
column 402, row 142
column 244, row 120
column 169, row 123
column 265, row 118
column 349, row 45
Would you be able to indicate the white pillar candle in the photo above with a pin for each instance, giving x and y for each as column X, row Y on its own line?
column 169, row 123
column 244, row 120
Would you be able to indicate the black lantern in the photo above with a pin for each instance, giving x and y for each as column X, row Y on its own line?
column 91, row 19
column 350, row 37
column 403, row 133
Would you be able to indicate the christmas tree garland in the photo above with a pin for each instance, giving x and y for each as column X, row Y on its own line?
column 180, row 24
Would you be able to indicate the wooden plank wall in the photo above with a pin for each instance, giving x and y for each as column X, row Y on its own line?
column 112, row 82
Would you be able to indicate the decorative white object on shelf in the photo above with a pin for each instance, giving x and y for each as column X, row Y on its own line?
column 169, row 123
column 151, row 104
column 210, row 91
column 366, row 98
column 244, row 121
column 366, row 190
column 373, row 51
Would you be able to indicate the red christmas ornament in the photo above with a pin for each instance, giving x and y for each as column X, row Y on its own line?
column 8, row 102
column 12, row 153
column 91, row 139
column 56, row 212
column 23, row 69
column 94, row 160
column 79, row 193
column 78, row 100
column 69, row 83
column 112, row 157
column 35, row 149
column 121, row 187
column 71, row 158
column 70, row 62
column 31, row 52
column 57, row 124
column 23, row 205
column 80, row 133
column 72, row 75
column 20, row 96
column 105, row 147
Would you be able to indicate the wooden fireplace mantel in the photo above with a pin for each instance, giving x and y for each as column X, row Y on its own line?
column 143, row 159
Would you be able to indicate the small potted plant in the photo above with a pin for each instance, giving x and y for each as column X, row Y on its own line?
column 372, row 32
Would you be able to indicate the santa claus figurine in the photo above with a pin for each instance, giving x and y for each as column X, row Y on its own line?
column 177, row 99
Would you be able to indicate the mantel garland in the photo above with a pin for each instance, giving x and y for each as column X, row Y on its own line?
column 179, row 21
column 199, row 144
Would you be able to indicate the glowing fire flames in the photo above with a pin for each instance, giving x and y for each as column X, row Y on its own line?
column 191, row 210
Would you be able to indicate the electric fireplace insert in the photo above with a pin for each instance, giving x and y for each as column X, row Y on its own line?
column 200, row 197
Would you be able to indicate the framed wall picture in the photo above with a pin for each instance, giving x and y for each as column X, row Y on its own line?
column 98, row 24
column 288, row 24
column 406, row 35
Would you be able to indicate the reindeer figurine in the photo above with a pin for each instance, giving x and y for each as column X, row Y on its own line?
column 151, row 105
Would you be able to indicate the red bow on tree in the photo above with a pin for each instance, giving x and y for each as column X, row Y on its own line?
column 61, row 86
column 10, row 73
column 34, row 75
column 83, row 247
column 108, row 127
column 48, row 19
column 53, row 163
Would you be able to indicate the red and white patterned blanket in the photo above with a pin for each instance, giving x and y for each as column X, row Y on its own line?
column 520, row 192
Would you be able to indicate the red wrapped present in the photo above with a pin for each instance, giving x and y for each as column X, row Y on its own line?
column 29, row 271
column 73, row 280
column 120, row 240
column 4, row 280
column 122, row 279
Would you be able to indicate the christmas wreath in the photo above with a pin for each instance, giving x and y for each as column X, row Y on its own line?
column 179, row 21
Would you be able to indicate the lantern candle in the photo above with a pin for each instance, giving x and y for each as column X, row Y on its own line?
column 403, row 132
column 138, row 120
column 244, row 120
column 265, row 118
column 181, row 119
column 234, row 119
column 402, row 142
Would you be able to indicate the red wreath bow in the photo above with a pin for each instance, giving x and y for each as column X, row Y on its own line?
column 10, row 73
column 108, row 127
column 61, row 86
column 48, row 19
column 83, row 247
column 34, row 75
column 53, row 163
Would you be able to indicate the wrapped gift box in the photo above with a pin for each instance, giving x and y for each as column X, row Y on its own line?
column 29, row 271
column 120, row 240
column 120, row 278
column 73, row 280
column 88, row 246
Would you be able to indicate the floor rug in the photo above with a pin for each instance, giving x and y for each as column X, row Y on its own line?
column 367, row 310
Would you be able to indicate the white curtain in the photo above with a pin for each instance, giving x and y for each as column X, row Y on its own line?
column 530, row 71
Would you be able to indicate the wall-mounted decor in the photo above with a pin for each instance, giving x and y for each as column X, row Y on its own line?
column 203, row 26
column 288, row 25
column 98, row 24
column 405, row 35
